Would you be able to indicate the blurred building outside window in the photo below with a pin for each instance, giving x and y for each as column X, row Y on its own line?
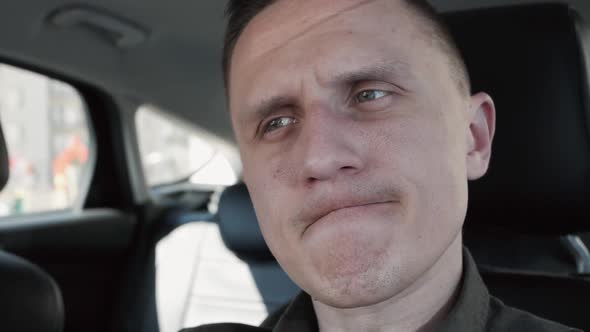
column 48, row 138
column 174, row 151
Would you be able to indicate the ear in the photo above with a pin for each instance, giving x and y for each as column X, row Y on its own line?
column 482, row 125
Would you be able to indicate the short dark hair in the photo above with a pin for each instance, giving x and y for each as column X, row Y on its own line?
column 240, row 12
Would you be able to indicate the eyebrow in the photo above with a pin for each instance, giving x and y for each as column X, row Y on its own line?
column 381, row 71
column 267, row 107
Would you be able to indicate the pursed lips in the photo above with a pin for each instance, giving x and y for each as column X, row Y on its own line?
column 322, row 213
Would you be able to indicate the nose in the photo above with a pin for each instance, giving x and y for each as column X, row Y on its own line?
column 329, row 148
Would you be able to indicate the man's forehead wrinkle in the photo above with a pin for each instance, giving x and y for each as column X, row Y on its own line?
column 322, row 21
column 267, row 19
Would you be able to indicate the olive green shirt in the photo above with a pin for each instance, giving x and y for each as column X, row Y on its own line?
column 474, row 311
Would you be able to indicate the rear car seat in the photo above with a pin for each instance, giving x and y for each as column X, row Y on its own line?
column 30, row 300
column 537, row 189
column 219, row 271
column 538, row 182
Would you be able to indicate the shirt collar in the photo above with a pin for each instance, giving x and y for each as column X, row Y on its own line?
column 470, row 311
column 299, row 316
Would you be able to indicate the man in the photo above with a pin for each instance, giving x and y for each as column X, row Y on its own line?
column 358, row 134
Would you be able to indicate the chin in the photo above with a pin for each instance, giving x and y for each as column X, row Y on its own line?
column 353, row 291
column 352, row 298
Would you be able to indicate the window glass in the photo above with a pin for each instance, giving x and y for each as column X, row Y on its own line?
column 48, row 140
column 173, row 151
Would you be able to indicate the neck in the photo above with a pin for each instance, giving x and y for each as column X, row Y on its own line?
column 418, row 308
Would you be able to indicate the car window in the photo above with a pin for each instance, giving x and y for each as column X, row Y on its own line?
column 48, row 139
column 173, row 151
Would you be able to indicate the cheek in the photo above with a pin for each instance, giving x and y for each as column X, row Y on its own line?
column 268, row 186
column 405, row 147
column 268, row 166
column 427, row 154
column 443, row 188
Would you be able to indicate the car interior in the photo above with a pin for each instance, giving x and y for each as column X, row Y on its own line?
column 124, row 252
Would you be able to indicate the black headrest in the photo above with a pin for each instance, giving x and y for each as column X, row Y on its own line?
column 4, row 163
column 30, row 300
column 238, row 223
column 529, row 59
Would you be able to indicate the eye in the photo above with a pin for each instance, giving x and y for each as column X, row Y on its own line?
column 370, row 95
column 278, row 123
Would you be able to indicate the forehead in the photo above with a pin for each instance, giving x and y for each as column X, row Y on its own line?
column 288, row 20
column 319, row 34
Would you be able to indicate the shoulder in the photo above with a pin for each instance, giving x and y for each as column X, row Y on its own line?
column 226, row 327
column 503, row 318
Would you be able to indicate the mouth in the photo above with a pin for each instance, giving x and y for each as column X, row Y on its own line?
column 318, row 217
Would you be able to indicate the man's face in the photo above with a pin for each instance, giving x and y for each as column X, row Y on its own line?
column 355, row 142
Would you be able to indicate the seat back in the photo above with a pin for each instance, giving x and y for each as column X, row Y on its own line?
column 531, row 61
column 30, row 300
column 539, row 176
column 212, row 270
